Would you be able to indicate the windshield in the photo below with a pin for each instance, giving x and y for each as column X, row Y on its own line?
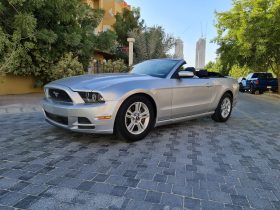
column 155, row 68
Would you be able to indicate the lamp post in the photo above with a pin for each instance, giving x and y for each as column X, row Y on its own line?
column 130, row 51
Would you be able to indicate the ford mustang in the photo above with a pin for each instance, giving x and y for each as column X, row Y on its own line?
column 153, row 93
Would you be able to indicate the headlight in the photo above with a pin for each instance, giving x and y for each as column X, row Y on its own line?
column 90, row 97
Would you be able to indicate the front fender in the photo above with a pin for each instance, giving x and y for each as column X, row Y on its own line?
column 134, row 92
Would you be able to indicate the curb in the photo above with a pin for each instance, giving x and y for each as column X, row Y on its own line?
column 15, row 109
column 275, row 95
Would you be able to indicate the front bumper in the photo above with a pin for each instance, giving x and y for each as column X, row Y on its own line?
column 71, row 116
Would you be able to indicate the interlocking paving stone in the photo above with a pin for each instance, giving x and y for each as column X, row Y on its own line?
column 11, row 198
column 6, row 208
column 26, row 202
column 100, row 178
column 136, row 194
column 276, row 204
column 138, row 205
column 192, row 203
column 85, row 186
column 198, row 164
column 130, row 182
column 19, row 185
column 153, row 197
column 172, row 200
column 182, row 190
column 130, row 173
column 219, row 196
column 101, row 188
column 239, row 200
column 232, row 207
column 160, row 178
column 147, row 185
column 163, row 187
column 118, row 190
column 211, row 205
column 34, row 189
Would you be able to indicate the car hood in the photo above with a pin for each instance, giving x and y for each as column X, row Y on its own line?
column 99, row 81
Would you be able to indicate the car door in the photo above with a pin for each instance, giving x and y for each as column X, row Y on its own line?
column 191, row 96
column 248, row 81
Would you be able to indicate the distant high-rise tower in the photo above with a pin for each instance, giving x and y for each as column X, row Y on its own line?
column 179, row 49
column 200, row 53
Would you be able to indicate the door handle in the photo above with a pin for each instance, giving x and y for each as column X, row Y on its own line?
column 209, row 85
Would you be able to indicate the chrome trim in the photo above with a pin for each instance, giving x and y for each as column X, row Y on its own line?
column 75, row 96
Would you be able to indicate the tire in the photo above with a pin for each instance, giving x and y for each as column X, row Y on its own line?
column 252, row 89
column 220, row 114
column 133, row 125
column 241, row 88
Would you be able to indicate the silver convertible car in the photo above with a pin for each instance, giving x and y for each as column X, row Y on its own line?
column 154, row 93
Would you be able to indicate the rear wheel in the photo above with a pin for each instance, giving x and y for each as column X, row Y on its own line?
column 135, row 118
column 224, row 109
column 252, row 89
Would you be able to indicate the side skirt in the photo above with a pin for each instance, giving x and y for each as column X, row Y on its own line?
column 182, row 119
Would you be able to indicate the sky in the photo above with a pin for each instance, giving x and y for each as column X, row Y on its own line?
column 185, row 19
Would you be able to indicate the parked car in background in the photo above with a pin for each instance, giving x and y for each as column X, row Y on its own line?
column 258, row 82
column 239, row 80
column 154, row 93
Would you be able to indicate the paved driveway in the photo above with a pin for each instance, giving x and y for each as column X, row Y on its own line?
column 199, row 164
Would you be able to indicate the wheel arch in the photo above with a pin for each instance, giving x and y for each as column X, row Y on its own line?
column 141, row 93
column 229, row 92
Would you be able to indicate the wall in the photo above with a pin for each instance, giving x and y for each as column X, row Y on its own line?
column 111, row 8
column 10, row 85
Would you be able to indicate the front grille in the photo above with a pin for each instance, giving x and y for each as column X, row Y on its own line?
column 59, row 95
column 57, row 118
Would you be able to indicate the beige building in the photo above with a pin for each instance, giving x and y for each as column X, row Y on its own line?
column 200, row 53
column 111, row 8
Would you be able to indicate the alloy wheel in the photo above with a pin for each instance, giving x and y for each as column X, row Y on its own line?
column 226, row 107
column 137, row 118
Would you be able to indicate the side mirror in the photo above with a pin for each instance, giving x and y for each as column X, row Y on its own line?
column 185, row 74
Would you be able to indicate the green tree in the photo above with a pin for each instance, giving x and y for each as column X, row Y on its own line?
column 127, row 21
column 216, row 66
column 151, row 43
column 237, row 71
column 249, row 35
column 106, row 41
column 37, row 36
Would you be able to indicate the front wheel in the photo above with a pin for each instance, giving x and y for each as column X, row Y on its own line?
column 241, row 88
column 224, row 109
column 135, row 118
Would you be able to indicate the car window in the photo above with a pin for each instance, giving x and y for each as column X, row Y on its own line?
column 255, row 75
column 249, row 76
column 262, row 75
column 155, row 68
column 265, row 76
